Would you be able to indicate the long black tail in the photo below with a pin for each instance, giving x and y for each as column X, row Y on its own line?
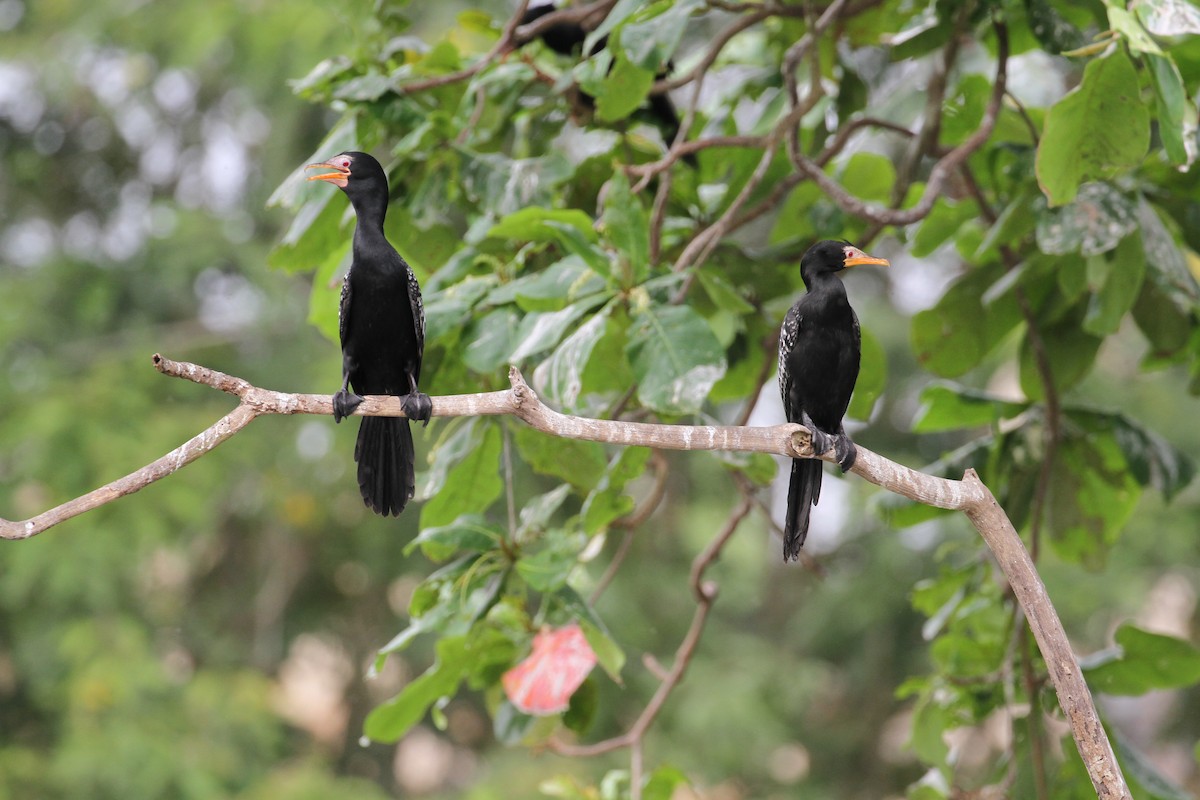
column 386, row 475
column 804, row 490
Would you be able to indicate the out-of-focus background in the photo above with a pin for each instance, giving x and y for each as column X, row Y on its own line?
column 209, row 636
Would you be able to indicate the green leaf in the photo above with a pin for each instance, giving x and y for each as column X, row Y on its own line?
column 627, row 226
column 1111, row 300
column 551, row 289
column 1152, row 460
column 1142, row 662
column 1050, row 28
column 650, row 40
column 623, row 91
column 548, row 569
column 608, row 501
column 579, row 463
column 947, row 407
column 1081, row 142
column 1094, row 222
column 542, row 331
column 581, row 711
column 676, row 358
column 470, row 533
column 1090, row 497
column 560, row 377
column 297, row 189
column 532, row 224
column 490, row 339
column 1176, row 114
column 663, row 783
column 1166, row 266
column 1128, row 26
column 869, row 176
column 872, row 378
column 471, row 486
column 608, row 653
column 956, row 334
column 1070, row 352
column 537, row 512
column 390, row 721
column 930, row 722
column 723, row 294
column 943, row 222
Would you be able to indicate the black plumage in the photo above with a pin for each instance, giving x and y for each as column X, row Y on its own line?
column 567, row 38
column 819, row 352
column 381, row 324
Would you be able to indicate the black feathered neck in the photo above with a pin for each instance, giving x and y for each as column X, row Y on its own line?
column 367, row 188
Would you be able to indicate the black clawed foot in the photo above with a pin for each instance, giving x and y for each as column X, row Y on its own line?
column 417, row 406
column 344, row 404
column 821, row 441
column 846, row 452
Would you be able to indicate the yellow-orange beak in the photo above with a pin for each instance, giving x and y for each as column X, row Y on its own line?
column 856, row 257
column 338, row 177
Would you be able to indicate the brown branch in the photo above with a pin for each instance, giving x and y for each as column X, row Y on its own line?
column 946, row 166
column 506, row 43
column 969, row 495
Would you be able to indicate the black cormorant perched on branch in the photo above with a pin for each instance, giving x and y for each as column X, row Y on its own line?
column 382, row 327
column 819, row 351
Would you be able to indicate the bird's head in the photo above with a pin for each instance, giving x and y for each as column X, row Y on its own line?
column 829, row 257
column 353, row 172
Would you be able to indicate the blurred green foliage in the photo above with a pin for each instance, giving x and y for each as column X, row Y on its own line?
column 209, row 637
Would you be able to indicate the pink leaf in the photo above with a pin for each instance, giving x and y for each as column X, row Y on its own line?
column 543, row 683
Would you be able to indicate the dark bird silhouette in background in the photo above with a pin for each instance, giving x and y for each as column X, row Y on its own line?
column 382, row 327
column 566, row 38
column 819, row 352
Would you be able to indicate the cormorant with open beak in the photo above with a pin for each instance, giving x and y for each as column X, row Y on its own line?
column 381, row 323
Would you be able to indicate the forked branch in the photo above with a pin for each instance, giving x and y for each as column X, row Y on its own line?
column 969, row 496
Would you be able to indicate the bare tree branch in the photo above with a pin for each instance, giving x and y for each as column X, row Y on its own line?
column 969, row 495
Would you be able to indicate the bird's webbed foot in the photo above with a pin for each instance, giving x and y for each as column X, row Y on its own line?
column 845, row 451
column 417, row 405
column 344, row 404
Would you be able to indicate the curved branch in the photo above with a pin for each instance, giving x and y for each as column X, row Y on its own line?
column 969, row 495
column 946, row 166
